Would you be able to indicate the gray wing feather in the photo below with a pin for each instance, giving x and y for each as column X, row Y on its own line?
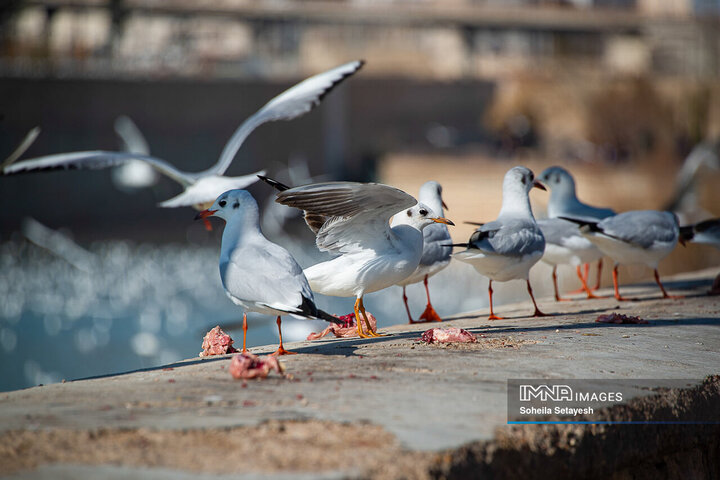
column 642, row 227
column 95, row 159
column 514, row 237
column 435, row 239
column 358, row 213
column 290, row 104
column 276, row 279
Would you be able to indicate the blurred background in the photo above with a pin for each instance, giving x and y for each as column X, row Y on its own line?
column 96, row 278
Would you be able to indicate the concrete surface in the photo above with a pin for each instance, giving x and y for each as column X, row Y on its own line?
column 428, row 398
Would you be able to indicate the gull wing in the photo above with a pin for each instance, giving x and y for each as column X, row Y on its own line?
column 515, row 237
column 290, row 104
column 95, row 159
column 26, row 142
column 358, row 214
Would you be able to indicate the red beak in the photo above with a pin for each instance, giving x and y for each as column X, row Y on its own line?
column 204, row 216
column 539, row 185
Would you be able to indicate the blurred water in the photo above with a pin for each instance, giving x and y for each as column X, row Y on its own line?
column 137, row 305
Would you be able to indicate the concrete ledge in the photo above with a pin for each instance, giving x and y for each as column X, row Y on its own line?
column 395, row 407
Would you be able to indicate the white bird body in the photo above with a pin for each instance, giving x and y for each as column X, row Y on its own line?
column 257, row 274
column 640, row 237
column 508, row 247
column 565, row 245
column 201, row 188
column 353, row 221
column 637, row 237
column 363, row 271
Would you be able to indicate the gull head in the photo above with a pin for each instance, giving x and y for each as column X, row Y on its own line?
column 431, row 193
column 557, row 179
column 229, row 204
column 520, row 180
column 419, row 216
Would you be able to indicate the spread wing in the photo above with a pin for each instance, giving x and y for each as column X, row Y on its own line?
column 95, row 159
column 357, row 214
column 26, row 142
column 290, row 104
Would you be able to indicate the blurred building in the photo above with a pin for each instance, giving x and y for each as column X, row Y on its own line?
column 438, row 39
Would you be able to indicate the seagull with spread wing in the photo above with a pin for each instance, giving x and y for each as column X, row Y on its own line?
column 352, row 220
column 202, row 188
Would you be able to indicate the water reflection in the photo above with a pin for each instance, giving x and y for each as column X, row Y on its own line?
column 139, row 305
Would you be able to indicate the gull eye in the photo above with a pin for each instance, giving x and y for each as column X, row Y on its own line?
column 236, row 205
column 423, row 212
column 409, row 212
column 222, row 203
column 523, row 180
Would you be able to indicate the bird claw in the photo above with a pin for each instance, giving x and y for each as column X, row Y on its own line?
column 429, row 315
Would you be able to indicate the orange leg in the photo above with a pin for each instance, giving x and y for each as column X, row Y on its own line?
column 429, row 315
column 281, row 350
column 618, row 297
column 583, row 280
column 358, row 320
column 537, row 313
column 407, row 308
column 244, row 332
column 557, row 294
column 665, row 294
column 492, row 314
column 599, row 275
column 367, row 322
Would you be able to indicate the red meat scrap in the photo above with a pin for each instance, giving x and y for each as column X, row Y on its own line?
column 217, row 342
column 247, row 365
column 619, row 318
column 448, row 335
column 347, row 329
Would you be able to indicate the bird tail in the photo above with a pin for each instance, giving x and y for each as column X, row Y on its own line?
column 585, row 225
column 686, row 234
column 327, row 317
column 281, row 187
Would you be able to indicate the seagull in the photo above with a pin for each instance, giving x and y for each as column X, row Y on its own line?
column 506, row 248
column 202, row 188
column 565, row 245
column 635, row 237
column 706, row 232
column 702, row 160
column 564, row 203
column 436, row 252
column 352, row 220
column 257, row 274
column 133, row 174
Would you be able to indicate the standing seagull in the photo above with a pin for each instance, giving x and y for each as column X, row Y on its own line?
column 564, row 203
column 257, row 274
column 353, row 220
column 202, row 188
column 506, row 248
column 636, row 237
column 436, row 251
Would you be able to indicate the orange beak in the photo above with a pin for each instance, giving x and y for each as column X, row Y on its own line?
column 539, row 185
column 204, row 216
column 443, row 220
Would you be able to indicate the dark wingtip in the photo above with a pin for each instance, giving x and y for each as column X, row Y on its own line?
column 281, row 187
column 327, row 317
